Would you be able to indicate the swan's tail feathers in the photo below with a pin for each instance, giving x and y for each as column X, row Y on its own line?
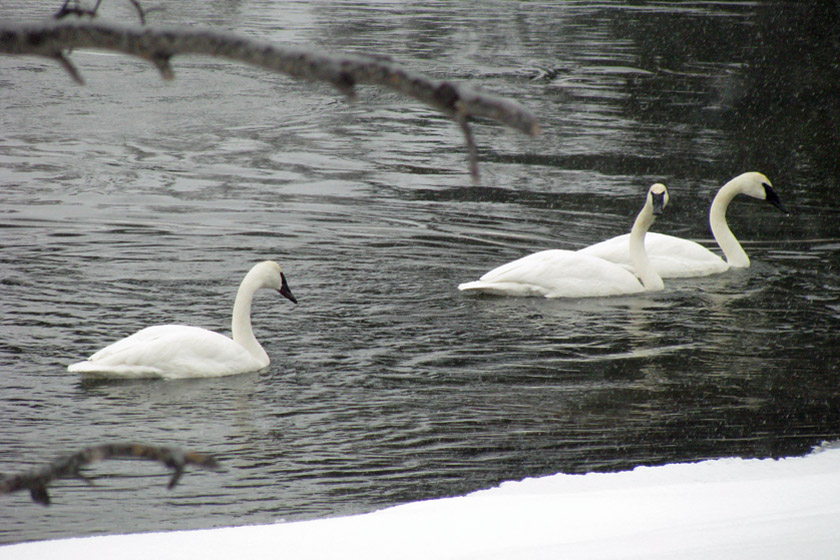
column 492, row 288
column 516, row 289
column 79, row 367
column 94, row 370
column 467, row 286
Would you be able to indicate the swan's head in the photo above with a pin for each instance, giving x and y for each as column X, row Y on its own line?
column 270, row 275
column 658, row 198
column 757, row 185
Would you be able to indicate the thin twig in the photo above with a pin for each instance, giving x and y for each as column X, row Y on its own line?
column 69, row 67
column 76, row 10
column 159, row 44
column 472, row 148
column 70, row 466
column 143, row 12
column 140, row 11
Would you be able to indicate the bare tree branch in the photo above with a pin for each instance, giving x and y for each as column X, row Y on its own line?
column 69, row 67
column 76, row 10
column 158, row 45
column 70, row 466
column 140, row 11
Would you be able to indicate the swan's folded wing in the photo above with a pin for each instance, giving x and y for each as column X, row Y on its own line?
column 522, row 277
column 557, row 273
column 674, row 257
column 533, row 268
column 670, row 257
column 170, row 351
column 615, row 249
column 149, row 335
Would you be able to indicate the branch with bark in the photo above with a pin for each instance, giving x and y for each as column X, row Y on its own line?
column 36, row 480
column 52, row 39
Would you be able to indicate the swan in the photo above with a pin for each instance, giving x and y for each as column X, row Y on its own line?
column 561, row 273
column 180, row 351
column 673, row 257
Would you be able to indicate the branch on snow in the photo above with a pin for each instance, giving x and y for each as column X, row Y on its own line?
column 36, row 480
column 158, row 45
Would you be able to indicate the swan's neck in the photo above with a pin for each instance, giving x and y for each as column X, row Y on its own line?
column 638, row 256
column 241, row 322
column 735, row 255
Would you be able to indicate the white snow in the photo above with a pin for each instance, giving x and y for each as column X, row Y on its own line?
column 728, row 508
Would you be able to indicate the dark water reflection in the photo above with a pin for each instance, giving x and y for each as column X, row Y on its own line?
column 130, row 202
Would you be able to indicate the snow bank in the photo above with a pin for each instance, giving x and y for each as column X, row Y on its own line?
column 728, row 508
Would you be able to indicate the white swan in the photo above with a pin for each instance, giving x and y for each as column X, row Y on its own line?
column 673, row 257
column 180, row 351
column 561, row 273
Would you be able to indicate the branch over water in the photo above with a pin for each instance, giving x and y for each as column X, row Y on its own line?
column 158, row 45
column 37, row 480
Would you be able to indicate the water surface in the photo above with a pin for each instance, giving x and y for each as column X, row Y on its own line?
column 132, row 202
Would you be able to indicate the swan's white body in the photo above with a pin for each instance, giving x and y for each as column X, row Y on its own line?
column 181, row 351
column 560, row 273
column 673, row 257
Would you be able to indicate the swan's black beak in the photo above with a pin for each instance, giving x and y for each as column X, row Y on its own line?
column 659, row 202
column 773, row 198
column 285, row 291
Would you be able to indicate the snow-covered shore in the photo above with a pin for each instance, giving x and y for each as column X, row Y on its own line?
column 726, row 508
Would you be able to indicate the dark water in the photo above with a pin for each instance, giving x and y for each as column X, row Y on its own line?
column 132, row 202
